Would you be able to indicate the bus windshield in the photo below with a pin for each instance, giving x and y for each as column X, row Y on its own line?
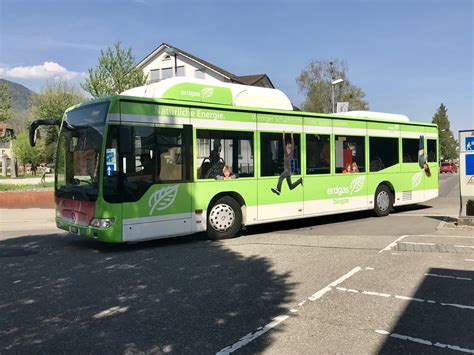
column 78, row 154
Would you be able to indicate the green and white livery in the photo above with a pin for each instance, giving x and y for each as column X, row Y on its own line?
column 184, row 156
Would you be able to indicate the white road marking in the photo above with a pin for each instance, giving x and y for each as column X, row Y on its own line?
column 328, row 288
column 406, row 298
column 376, row 294
column 469, row 259
column 392, row 244
column 369, row 268
column 277, row 320
column 424, row 341
column 450, row 277
column 251, row 336
column 415, row 243
column 464, row 246
column 442, row 236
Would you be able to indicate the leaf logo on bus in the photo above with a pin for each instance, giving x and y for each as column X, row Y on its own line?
column 357, row 184
column 162, row 198
column 416, row 180
column 207, row 92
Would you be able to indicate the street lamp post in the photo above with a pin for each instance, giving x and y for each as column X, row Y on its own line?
column 333, row 84
column 171, row 51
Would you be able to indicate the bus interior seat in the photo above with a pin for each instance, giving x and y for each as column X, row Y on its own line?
column 170, row 169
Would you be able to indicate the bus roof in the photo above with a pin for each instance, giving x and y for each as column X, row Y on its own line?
column 204, row 91
column 377, row 115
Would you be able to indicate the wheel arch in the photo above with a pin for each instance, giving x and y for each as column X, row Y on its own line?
column 389, row 185
column 236, row 196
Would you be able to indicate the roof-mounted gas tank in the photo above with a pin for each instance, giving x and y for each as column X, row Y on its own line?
column 181, row 88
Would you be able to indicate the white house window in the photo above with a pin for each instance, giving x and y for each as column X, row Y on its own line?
column 166, row 73
column 199, row 74
column 180, row 71
column 154, row 75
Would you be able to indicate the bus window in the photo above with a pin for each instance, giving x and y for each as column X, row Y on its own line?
column 383, row 153
column 156, row 156
column 139, row 164
column 410, row 147
column 215, row 149
column 318, row 157
column 271, row 153
column 350, row 154
column 432, row 151
column 170, row 167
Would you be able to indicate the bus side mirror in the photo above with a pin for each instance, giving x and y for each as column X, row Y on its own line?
column 125, row 140
column 35, row 124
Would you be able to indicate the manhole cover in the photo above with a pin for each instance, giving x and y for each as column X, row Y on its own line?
column 12, row 252
column 433, row 248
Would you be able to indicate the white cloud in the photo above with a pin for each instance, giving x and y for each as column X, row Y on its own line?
column 47, row 70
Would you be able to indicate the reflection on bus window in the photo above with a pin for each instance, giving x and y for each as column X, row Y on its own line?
column 216, row 149
column 318, row 157
column 410, row 147
column 349, row 150
column 383, row 153
column 431, row 148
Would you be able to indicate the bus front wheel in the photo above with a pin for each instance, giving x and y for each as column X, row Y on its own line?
column 383, row 201
column 224, row 219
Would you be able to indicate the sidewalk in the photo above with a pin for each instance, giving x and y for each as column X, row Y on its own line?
column 29, row 219
column 26, row 181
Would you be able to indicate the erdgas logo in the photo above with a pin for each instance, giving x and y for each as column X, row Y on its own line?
column 355, row 186
column 416, row 180
column 162, row 198
column 207, row 92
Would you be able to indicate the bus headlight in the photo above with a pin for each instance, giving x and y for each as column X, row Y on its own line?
column 102, row 222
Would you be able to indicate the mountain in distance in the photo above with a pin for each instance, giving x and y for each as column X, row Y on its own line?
column 20, row 95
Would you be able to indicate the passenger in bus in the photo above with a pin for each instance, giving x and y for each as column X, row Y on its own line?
column 355, row 168
column 226, row 174
column 347, row 169
column 288, row 155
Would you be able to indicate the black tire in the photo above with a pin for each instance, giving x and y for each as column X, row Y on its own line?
column 224, row 219
column 383, row 201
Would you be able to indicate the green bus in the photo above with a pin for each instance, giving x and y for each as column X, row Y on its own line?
column 183, row 156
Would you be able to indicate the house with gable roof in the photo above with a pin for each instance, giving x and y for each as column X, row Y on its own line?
column 167, row 61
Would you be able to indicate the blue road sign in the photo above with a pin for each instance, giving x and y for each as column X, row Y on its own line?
column 470, row 143
column 469, row 164
column 109, row 169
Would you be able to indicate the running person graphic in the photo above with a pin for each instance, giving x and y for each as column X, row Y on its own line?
column 288, row 154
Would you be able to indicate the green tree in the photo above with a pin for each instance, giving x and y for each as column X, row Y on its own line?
column 315, row 80
column 447, row 142
column 5, row 102
column 114, row 73
column 51, row 102
column 27, row 154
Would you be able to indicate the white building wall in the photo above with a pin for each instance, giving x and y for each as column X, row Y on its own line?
column 190, row 68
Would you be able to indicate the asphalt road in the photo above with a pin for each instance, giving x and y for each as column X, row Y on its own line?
column 351, row 283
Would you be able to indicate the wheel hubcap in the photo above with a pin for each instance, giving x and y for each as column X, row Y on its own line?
column 222, row 217
column 383, row 200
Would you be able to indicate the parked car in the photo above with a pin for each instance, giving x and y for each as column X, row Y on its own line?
column 448, row 168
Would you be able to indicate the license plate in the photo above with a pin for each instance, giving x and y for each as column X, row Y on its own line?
column 74, row 230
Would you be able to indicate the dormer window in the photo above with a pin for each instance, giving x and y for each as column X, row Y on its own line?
column 166, row 57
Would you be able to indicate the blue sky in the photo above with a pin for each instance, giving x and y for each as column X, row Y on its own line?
column 408, row 56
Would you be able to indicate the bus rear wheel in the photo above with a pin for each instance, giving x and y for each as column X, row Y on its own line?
column 224, row 219
column 383, row 201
